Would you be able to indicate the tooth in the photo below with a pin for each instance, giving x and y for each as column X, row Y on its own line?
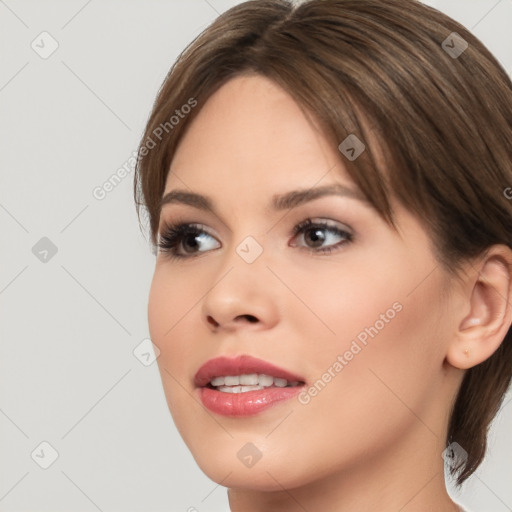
column 248, row 382
column 250, row 379
column 238, row 389
column 228, row 389
column 217, row 381
column 265, row 380
column 243, row 389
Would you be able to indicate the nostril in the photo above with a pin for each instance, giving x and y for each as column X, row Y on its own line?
column 212, row 321
column 250, row 318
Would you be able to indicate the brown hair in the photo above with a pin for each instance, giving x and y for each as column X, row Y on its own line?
column 382, row 68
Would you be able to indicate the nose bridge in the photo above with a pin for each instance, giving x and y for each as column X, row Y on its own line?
column 240, row 287
column 244, row 266
column 246, row 247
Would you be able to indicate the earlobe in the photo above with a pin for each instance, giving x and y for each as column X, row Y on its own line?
column 489, row 296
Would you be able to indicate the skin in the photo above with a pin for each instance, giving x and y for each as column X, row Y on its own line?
column 372, row 439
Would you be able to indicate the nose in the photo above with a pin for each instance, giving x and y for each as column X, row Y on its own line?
column 243, row 296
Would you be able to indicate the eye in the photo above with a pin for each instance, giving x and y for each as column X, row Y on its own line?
column 186, row 236
column 186, row 240
column 318, row 233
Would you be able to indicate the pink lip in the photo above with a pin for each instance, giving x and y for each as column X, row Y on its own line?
column 250, row 402
column 237, row 366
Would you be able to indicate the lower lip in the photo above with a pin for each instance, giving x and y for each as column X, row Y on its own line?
column 247, row 403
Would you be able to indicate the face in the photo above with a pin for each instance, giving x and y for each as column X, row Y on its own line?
column 322, row 289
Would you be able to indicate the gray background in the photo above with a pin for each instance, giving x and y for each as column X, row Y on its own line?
column 70, row 323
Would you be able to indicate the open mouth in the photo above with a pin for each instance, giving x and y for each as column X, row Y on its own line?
column 244, row 385
column 249, row 382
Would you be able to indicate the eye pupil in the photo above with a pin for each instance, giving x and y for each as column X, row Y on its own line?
column 191, row 237
column 316, row 238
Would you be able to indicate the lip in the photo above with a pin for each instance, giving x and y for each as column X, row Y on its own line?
column 250, row 402
column 240, row 365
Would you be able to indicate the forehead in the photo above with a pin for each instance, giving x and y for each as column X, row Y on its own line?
column 252, row 131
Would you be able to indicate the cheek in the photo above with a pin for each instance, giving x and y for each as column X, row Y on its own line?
column 386, row 301
column 343, row 302
column 173, row 295
column 383, row 387
column 382, row 338
column 173, row 300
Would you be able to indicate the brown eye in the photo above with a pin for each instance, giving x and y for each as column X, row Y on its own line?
column 316, row 234
column 188, row 237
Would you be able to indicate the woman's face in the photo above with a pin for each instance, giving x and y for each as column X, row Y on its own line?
column 350, row 308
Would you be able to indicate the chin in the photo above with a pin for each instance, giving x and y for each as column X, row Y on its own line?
column 274, row 471
column 268, row 477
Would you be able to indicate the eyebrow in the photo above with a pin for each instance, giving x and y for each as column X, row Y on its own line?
column 285, row 201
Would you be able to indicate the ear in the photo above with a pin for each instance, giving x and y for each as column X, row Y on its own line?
column 489, row 299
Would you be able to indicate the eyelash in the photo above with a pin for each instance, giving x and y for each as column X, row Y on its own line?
column 172, row 235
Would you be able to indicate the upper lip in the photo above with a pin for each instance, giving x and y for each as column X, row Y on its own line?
column 240, row 365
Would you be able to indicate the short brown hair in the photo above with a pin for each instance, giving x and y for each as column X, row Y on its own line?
column 443, row 121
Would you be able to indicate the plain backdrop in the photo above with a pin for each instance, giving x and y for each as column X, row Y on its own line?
column 77, row 81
